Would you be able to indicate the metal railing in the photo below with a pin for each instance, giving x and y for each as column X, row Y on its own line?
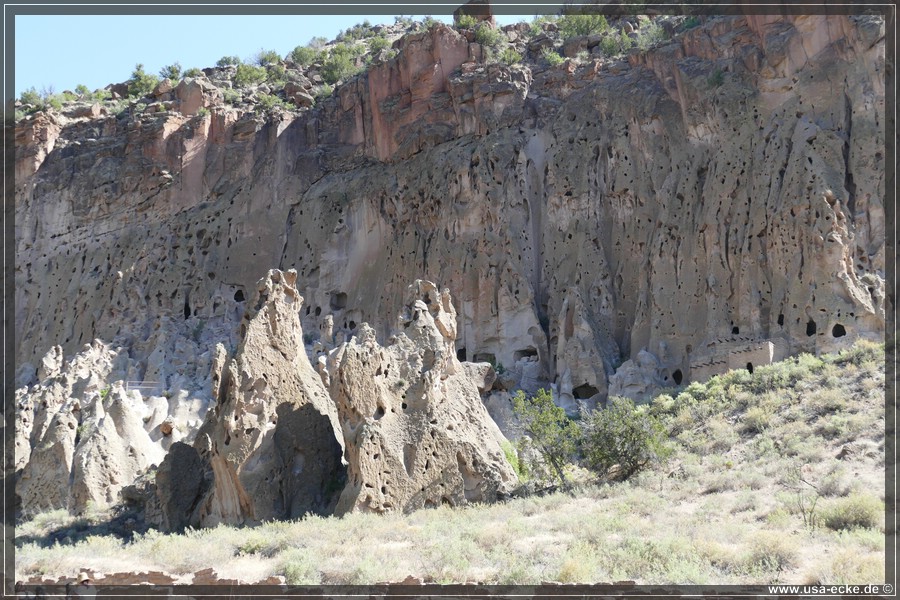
column 142, row 386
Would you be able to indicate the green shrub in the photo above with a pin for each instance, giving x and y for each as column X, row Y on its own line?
column 249, row 75
column 378, row 43
column 324, row 92
column 536, row 27
column 232, row 97
column 575, row 25
column 275, row 73
column 651, row 35
column 624, row 436
column 226, row 61
column 171, row 72
column 771, row 551
column 512, row 457
column 357, row 32
column 299, row 567
column 83, row 91
column 141, row 83
column 428, row 22
column 488, row 36
column 510, row 56
column 553, row 435
column 304, row 56
column 861, row 353
column 266, row 57
column 757, row 419
column 854, row 511
column 193, row 72
column 31, row 96
column 269, row 102
column 552, row 57
column 615, row 44
column 339, row 64
column 466, row 22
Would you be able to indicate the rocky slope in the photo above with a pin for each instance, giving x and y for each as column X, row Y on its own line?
column 603, row 224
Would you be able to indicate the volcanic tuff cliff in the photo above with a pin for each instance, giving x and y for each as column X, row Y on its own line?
column 717, row 195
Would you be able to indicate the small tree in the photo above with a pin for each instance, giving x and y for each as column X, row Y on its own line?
column 622, row 436
column 31, row 96
column 339, row 65
column 226, row 61
column 575, row 25
column 466, row 22
column 141, row 83
column 552, row 433
column 171, row 72
column 266, row 57
column 249, row 75
column 304, row 55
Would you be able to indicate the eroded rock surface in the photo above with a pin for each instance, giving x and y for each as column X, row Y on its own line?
column 415, row 429
column 707, row 200
column 81, row 436
column 270, row 448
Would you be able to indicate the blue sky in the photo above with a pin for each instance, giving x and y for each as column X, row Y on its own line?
column 96, row 50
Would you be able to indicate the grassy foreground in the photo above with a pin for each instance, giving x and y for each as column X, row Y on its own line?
column 776, row 477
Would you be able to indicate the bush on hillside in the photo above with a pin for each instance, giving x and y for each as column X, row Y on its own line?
column 266, row 57
column 553, row 435
column 226, row 61
column 575, row 25
column 304, row 55
column 141, row 82
column 249, row 75
column 488, row 36
column 621, row 437
column 854, row 511
column 339, row 65
column 171, row 72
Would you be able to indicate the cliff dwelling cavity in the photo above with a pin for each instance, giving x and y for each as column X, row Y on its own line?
column 312, row 475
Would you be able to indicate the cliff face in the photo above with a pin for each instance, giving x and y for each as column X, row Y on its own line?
column 724, row 189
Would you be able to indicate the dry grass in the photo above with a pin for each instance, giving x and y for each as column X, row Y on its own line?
column 727, row 508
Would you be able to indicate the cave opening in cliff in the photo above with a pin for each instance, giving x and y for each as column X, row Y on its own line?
column 239, row 296
column 677, row 376
column 187, row 307
column 838, row 331
column 811, row 328
column 750, row 367
column 461, row 354
column 584, row 391
column 338, row 300
column 524, row 353
column 781, row 320
column 308, row 486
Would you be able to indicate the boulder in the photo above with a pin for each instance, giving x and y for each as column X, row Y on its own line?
column 638, row 378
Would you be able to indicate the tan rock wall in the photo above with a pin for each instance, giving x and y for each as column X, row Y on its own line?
column 677, row 209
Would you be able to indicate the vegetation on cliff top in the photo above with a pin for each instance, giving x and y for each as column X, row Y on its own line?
column 327, row 64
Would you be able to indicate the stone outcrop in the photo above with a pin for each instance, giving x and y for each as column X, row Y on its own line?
column 81, row 436
column 270, row 447
column 403, row 427
column 415, row 429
